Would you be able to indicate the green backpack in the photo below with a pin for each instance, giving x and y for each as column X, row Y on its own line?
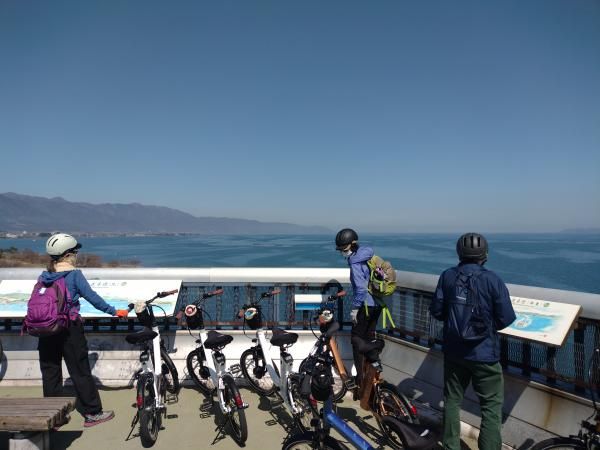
column 382, row 279
column 382, row 283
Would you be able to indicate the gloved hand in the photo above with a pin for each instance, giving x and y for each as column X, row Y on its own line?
column 353, row 315
column 122, row 313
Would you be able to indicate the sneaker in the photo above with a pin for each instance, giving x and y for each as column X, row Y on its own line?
column 95, row 419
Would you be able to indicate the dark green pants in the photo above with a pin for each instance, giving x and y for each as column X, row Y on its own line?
column 488, row 384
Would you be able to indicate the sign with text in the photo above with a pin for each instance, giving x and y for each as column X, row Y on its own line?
column 14, row 295
column 308, row 302
column 542, row 321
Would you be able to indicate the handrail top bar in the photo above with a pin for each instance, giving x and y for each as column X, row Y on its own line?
column 407, row 280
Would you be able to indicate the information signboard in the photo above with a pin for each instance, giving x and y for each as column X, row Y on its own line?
column 542, row 321
column 14, row 295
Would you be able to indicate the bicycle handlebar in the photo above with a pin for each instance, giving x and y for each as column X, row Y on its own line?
column 161, row 294
column 273, row 293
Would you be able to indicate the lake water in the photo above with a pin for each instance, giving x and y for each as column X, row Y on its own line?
column 560, row 261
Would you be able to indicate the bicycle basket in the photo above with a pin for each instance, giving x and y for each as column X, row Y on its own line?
column 321, row 383
column 193, row 317
column 253, row 317
column 144, row 315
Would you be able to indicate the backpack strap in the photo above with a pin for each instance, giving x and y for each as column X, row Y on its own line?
column 385, row 311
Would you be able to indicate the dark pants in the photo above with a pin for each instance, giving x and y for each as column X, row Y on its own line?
column 488, row 385
column 72, row 346
column 364, row 328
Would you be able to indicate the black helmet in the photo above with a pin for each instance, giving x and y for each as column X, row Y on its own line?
column 344, row 238
column 472, row 246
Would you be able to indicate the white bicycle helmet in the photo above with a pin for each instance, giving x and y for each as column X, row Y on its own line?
column 60, row 243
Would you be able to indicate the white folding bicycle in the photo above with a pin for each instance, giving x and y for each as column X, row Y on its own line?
column 265, row 377
column 210, row 374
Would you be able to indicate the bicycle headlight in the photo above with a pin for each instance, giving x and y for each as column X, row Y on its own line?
column 250, row 313
column 325, row 317
column 193, row 317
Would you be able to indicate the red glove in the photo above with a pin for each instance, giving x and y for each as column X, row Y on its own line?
column 122, row 313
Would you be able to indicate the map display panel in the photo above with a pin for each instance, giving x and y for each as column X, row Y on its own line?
column 542, row 321
column 14, row 295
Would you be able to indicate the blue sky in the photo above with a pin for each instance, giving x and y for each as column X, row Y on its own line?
column 384, row 116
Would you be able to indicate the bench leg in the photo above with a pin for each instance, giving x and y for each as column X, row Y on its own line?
column 38, row 440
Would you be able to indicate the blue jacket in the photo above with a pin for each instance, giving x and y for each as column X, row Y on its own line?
column 359, row 277
column 493, row 297
column 78, row 286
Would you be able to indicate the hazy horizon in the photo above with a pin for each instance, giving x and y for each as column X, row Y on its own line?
column 387, row 117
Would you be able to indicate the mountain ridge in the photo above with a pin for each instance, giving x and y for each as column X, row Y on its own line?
column 19, row 212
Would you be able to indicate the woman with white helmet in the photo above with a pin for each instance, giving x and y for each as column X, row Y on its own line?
column 72, row 344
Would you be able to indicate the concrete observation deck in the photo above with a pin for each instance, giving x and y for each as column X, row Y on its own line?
column 187, row 426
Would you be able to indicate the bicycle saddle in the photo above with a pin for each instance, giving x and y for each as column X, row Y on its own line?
column 141, row 336
column 217, row 340
column 371, row 348
column 281, row 338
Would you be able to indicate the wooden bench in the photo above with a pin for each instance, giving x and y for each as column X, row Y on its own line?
column 29, row 420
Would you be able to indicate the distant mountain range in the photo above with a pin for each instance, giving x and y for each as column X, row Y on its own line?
column 20, row 213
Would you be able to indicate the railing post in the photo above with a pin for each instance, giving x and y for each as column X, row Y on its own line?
column 579, row 357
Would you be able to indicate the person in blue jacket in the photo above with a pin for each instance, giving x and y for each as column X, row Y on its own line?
column 474, row 304
column 365, row 311
column 72, row 344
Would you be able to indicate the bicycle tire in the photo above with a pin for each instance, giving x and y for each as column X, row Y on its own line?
column 170, row 372
column 196, row 369
column 239, row 428
column 308, row 440
column 303, row 420
column 389, row 401
column 339, row 387
column 264, row 384
column 560, row 442
column 148, row 418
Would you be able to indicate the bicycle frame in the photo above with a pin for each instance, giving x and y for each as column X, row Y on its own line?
column 217, row 370
column 331, row 419
column 285, row 370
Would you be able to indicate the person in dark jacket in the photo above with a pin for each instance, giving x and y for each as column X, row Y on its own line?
column 72, row 344
column 365, row 311
column 471, row 342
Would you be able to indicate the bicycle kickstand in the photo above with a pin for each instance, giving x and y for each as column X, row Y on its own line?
column 221, row 429
column 133, row 424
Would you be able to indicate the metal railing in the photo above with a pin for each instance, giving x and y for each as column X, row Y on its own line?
column 564, row 368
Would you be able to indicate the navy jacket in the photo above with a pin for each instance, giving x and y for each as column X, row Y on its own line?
column 79, row 287
column 493, row 297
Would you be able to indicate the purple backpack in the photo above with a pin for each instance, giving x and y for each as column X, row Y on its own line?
column 48, row 309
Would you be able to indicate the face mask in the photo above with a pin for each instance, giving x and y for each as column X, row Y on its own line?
column 347, row 253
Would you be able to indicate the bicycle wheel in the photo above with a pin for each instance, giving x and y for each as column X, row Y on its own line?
column 308, row 440
column 237, row 420
column 339, row 388
column 560, row 442
column 254, row 368
column 149, row 417
column 389, row 401
column 304, row 418
column 198, row 371
column 170, row 372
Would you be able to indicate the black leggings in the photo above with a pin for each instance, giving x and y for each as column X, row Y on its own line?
column 72, row 346
column 365, row 329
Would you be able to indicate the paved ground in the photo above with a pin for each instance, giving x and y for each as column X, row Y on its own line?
column 186, row 427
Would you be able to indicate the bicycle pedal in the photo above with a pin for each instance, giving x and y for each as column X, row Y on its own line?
column 350, row 384
column 235, row 369
column 206, row 405
column 276, row 402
